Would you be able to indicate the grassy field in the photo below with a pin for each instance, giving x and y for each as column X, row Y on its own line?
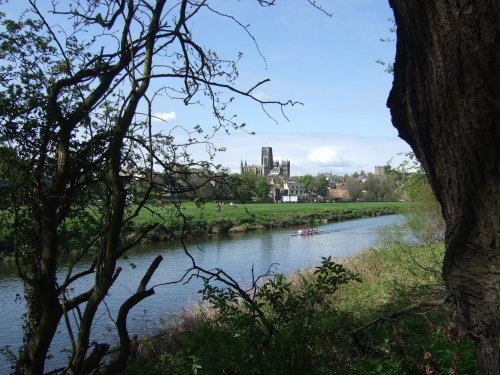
column 241, row 217
column 239, row 211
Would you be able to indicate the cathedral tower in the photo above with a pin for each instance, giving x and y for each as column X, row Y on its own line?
column 267, row 159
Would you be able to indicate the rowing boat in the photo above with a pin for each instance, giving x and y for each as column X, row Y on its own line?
column 309, row 233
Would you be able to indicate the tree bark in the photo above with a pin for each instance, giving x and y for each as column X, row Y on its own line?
column 445, row 102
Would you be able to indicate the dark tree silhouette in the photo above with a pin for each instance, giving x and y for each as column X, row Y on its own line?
column 445, row 102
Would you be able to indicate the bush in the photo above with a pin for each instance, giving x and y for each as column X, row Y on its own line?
column 302, row 324
column 278, row 328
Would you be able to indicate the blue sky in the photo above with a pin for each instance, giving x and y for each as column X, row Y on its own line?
column 329, row 64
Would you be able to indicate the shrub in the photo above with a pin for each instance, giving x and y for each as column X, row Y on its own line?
column 278, row 328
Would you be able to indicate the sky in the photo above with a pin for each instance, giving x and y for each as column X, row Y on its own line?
column 326, row 63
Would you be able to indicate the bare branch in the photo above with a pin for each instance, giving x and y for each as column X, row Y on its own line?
column 54, row 36
column 121, row 321
column 231, row 88
column 395, row 316
column 246, row 28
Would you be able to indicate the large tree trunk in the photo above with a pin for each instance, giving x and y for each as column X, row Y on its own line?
column 445, row 102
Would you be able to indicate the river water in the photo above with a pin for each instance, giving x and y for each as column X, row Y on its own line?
column 236, row 254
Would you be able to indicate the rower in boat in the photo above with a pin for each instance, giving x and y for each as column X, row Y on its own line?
column 307, row 232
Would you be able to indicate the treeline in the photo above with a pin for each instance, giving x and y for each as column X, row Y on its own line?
column 246, row 187
column 372, row 187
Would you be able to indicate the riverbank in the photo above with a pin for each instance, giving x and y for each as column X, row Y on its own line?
column 195, row 220
column 208, row 220
column 238, row 254
column 317, row 330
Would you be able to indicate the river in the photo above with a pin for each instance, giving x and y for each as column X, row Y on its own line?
column 235, row 253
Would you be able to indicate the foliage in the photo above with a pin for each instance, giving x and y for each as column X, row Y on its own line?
column 389, row 65
column 424, row 222
column 322, row 186
column 244, row 187
column 372, row 187
column 314, row 325
column 306, row 180
column 278, row 331
column 380, row 188
column 355, row 187
column 318, row 185
column 394, row 278
column 82, row 157
column 262, row 189
column 10, row 166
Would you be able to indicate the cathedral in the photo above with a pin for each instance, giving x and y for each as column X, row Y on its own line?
column 268, row 167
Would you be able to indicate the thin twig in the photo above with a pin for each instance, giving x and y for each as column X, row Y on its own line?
column 394, row 317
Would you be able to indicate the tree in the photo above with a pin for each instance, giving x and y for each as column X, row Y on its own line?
column 379, row 188
column 262, row 189
column 423, row 220
column 10, row 177
column 322, row 186
column 354, row 187
column 445, row 102
column 307, row 180
column 77, row 88
column 244, row 186
column 200, row 185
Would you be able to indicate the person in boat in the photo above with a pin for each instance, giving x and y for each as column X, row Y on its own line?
column 316, row 231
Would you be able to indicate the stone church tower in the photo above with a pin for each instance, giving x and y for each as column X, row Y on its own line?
column 267, row 167
column 266, row 159
column 285, row 169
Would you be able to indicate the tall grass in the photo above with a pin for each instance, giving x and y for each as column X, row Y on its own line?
column 427, row 340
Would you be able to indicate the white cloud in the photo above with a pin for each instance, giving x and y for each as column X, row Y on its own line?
column 163, row 116
column 328, row 156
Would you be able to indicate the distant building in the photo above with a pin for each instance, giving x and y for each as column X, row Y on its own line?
column 338, row 191
column 267, row 167
column 382, row 170
column 294, row 192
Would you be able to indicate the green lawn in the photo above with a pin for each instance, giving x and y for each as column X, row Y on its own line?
column 202, row 219
column 269, row 212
